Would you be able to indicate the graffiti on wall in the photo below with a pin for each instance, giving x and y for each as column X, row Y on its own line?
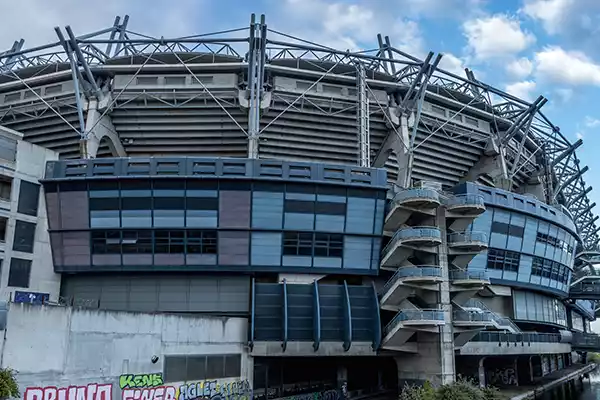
column 131, row 381
column 149, row 387
column 215, row 390
column 93, row 391
column 502, row 377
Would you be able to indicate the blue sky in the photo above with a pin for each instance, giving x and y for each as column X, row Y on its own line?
column 526, row 47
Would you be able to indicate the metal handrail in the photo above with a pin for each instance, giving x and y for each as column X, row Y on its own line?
column 466, row 199
column 499, row 319
column 529, row 337
column 407, row 272
column 413, row 315
column 416, row 193
column 413, row 233
column 472, row 316
column 589, row 340
column 467, row 237
column 468, row 274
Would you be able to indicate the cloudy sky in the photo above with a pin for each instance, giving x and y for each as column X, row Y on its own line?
column 526, row 47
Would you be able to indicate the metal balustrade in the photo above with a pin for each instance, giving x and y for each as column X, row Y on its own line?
column 413, row 315
column 413, row 233
column 463, row 275
column 468, row 237
column 472, row 316
column 423, row 271
column 416, row 194
column 525, row 337
column 583, row 289
column 498, row 319
column 474, row 200
column 590, row 341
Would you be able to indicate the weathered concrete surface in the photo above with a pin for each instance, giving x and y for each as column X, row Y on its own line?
column 62, row 346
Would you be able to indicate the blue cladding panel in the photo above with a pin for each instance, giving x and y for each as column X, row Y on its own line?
column 360, row 215
column 297, row 261
column 201, row 218
column 267, row 210
column 357, row 252
column 266, row 248
column 169, row 218
column 299, row 221
column 330, row 223
column 379, row 215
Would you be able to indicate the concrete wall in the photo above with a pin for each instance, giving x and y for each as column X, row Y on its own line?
column 29, row 166
column 60, row 347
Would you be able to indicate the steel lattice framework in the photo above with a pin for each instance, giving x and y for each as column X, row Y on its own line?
column 531, row 146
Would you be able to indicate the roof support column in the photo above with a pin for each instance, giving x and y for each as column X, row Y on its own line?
column 97, row 127
column 362, row 115
column 256, row 70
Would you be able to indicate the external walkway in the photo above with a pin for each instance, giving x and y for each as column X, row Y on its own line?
column 549, row 381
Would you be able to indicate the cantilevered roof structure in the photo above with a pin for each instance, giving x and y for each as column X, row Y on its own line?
column 259, row 93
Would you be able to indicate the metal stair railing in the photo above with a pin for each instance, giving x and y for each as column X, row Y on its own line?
column 498, row 319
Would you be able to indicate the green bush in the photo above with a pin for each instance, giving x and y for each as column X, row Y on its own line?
column 8, row 384
column 459, row 390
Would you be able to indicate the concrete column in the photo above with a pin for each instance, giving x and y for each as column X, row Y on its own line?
column 481, row 371
column 447, row 361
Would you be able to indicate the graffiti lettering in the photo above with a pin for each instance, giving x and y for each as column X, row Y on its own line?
column 155, row 393
column 92, row 391
column 215, row 390
column 503, row 376
column 140, row 381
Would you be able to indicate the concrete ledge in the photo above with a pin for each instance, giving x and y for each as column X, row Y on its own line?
column 492, row 348
column 305, row 349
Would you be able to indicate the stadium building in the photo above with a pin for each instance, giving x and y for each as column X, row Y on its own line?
column 248, row 214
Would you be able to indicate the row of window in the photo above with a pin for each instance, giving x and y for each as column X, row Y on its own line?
column 550, row 269
column 508, row 229
column 205, row 203
column 506, row 260
column 205, row 242
column 158, row 241
column 554, row 242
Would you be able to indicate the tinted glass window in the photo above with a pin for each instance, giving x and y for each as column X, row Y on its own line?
column 24, row 236
column 28, row 198
column 19, row 273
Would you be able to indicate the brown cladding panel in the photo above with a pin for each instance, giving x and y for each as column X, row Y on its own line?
column 233, row 248
column 76, row 248
column 234, row 209
column 53, row 210
column 74, row 210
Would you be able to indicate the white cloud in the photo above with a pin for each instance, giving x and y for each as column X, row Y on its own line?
column 550, row 12
column 453, row 64
column 496, row 36
column 591, row 122
column 348, row 26
column 579, row 135
column 523, row 90
column 34, row 20
column 567, row 67
column 520, row 68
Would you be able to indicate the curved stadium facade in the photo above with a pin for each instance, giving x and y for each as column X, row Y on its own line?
column 365, row 218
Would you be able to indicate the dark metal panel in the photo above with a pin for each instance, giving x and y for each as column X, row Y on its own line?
column 161, row 293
